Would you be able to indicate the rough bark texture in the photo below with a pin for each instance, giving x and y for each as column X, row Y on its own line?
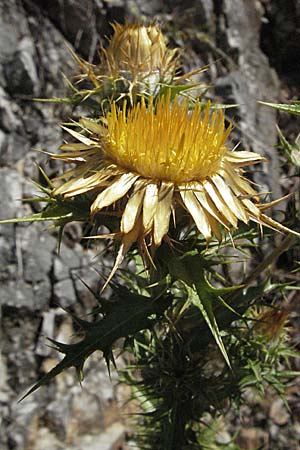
column 35, row 280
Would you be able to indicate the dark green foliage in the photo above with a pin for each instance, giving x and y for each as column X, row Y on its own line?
column 123, row 317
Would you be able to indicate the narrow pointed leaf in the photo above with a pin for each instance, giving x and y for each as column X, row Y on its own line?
column 204, row 304
column 293, row 108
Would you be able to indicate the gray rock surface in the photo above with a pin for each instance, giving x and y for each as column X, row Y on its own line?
column 254, row 80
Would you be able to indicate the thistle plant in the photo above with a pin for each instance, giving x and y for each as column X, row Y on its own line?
column 159, row 171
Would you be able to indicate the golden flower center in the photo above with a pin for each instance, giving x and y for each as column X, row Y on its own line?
column 165, row 141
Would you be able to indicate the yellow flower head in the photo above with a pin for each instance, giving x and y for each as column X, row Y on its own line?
column 149, row 161
column 138, row 49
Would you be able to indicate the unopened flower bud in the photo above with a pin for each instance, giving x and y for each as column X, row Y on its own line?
column 138, row 49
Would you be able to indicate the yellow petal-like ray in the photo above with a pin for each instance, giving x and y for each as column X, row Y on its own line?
column 243, row 158
column 252, row 209
column 230, row 200
column 81, row 185
column 150, row 205
column 133, row 208
column 222, row 207
column 238, row 184
column 80, row 137
column 127, row 241
column 74, row 155
column 163, row 212
column 196, row 211
column 266, row 220
column 215, row 227
column 114, row 192
column 92, row 126
column 76, row 147
column 208, row 205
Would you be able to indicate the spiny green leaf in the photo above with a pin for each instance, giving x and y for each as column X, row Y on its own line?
column 46, row 190
column 38, row 217
column 289, row 373
column 284, row 143
column 228, row 307
column 55, row 100
column 293, row 108
column 189, row 270
column 204, row 304
column 220, row 291
column 61, row 212
column 292, row 152
column 221, row 106
column 46, row 178
column 38, row 198
column 130, row 314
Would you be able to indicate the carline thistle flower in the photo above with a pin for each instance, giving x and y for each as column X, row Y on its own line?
column 156, row 158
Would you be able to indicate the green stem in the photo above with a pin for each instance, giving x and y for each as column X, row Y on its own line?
column 178, row 424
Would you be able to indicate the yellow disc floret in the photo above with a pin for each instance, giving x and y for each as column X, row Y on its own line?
column 167, row 142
